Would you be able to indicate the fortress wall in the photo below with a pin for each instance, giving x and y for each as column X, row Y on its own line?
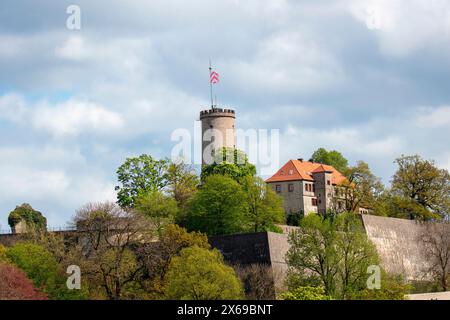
column 244, row 249
column 278, row 247
column 398, row 245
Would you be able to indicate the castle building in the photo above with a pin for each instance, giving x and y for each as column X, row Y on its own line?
column 309, row 187
column 218, row 130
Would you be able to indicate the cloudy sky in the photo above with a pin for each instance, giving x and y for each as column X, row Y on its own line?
column 368, row 78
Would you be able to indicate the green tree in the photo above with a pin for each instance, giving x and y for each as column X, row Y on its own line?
column 160, row 209
column 356, row 254
column 182, row 183
column 139, row 175
column 200, row 274
column 422, row 182
column 218, row 208
column 32, row 218
column 331, row 251
column 305, row 293
column 42, row 268
column 265, row 207
column 332, row 158
column 393, row 287
column 229, row 162
column 361, row 189
column 157, row 256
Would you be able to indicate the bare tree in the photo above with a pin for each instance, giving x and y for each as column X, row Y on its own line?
column 258, row 281
column 107, row 236
column 436, row 249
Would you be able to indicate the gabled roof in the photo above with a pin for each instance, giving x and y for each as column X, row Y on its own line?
column 295, row 170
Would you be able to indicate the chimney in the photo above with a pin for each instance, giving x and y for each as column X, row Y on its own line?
column 300, row 159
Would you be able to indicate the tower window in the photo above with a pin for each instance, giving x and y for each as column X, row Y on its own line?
column 291, row 187
column 328, row 182
column 314, row 202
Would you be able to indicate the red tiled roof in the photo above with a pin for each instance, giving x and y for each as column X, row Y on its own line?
column 303, row 170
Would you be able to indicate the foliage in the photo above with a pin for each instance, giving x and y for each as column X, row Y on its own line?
column 229, row 162
column 42, row 268
column 294, row 218
column 332, row 251
column 305, row 293
column 14, row 285
column 2, row 253
column 362, row 187
column 139, row 175
column 392, row 205
column 392, row 288
column 158, row 208
column 218, row 208
column 182, row 183
column 156, row 256
column 108, row 233
column 332, row 158
column 26, row 213
column 200, row 274
column 423, row 183
column 265, row 207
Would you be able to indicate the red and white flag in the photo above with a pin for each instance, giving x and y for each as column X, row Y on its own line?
column 214, row 77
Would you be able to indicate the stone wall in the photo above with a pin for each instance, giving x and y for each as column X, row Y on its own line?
column 398, row 245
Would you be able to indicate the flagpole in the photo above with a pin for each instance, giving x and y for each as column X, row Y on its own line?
column 210, row 84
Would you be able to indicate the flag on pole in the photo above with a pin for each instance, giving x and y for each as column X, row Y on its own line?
column 213, row 77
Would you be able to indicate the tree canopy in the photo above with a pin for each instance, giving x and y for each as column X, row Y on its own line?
column 201, row 274
column 331, row 252
column 229, row 162
column 332, row 158
column 139, row 175
column 218, row 208
column 424, row 185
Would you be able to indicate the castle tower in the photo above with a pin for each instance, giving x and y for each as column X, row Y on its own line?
column 217, row 131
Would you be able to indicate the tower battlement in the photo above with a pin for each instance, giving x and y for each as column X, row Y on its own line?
column 217, row 112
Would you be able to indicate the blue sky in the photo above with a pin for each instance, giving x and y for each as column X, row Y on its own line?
column 368, row 78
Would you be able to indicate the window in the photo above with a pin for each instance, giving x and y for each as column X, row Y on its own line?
column 314, row 188
column 309, row 187
column 328, row 182
column 278, row 188
column 291, row 172
column 314, row 202
column 291, row 187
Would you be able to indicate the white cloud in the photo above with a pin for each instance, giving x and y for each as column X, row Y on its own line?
column 75, row 117
column 288, row 61
column 12, row 107
column 404, row 26
column 434, row 117
column 70, row 118
column 72, row 49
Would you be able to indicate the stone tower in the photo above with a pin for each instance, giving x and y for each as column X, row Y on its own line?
column 217, row 131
